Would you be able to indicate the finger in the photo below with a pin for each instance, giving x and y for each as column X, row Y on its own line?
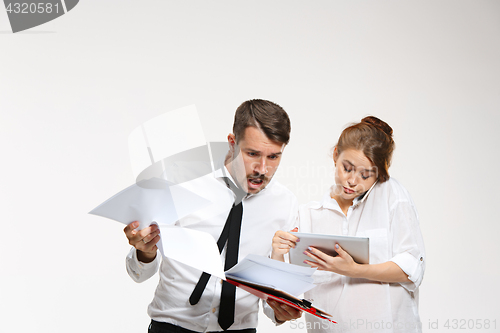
column 287, row 236
column 130, row 227
column 292, row 313
column 342, row 253
column 146, row 231
column 317, row 254
column 151, row 245
column 286, row 244
column 287, row 312
column 148, row 247
column 274, row 305
column 315, row 264
column 149, row 237
column 278, row 310
column 284, row 240
column 282, row 246
column 313, row 256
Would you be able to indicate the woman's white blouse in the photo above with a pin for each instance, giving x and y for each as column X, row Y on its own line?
column 388, row 217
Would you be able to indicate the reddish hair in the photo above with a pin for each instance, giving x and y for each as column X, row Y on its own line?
column 373, row 137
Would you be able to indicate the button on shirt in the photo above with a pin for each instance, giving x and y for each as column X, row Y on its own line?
column 388, row 217
column 274, row 208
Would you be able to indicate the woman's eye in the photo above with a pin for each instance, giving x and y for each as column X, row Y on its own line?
column 365, row 177
column 346, row 169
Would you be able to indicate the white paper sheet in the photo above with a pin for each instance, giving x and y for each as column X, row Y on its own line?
column 153, row 200
column 194, row 248
column 289, row 278
column 163, row 136
column 167, row 152
column 157, row 201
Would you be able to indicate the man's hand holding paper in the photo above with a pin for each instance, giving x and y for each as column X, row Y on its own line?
column 144, row 240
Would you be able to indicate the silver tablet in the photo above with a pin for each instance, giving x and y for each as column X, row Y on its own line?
column 357, row 247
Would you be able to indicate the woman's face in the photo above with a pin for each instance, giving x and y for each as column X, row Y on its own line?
column 354, row 174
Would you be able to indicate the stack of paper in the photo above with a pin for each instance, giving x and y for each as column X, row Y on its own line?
column 275, row 280
column 291, row 279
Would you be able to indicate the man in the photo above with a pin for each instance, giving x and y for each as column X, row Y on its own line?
column 187, row 300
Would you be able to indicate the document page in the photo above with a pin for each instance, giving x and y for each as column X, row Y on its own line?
column 289, row 278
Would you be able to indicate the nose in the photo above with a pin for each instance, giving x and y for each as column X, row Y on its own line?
column 352, row 179
column 260, row 167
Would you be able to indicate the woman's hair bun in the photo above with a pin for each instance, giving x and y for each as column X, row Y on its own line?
column 380, row 124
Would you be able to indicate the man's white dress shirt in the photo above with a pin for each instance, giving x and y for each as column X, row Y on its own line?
column 388, row 217
column 272, row 209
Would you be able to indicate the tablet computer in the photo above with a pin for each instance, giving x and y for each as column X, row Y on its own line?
column 357, row 247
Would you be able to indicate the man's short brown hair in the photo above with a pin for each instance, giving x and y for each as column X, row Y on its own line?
column 264, row 115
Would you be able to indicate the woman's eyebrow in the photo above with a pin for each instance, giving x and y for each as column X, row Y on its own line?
column 365, row 170
column 349, row 162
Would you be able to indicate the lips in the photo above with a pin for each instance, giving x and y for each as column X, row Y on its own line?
column 255, row 183
column 348, row 190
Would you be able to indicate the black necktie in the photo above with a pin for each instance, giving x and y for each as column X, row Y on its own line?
column 231, row 233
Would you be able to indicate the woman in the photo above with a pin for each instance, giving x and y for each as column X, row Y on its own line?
column 381, row 296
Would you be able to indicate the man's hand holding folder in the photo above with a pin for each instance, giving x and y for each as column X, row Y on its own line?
column 283, row 312
column 278, row 283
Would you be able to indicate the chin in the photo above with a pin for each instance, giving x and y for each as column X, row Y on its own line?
column 254, row 191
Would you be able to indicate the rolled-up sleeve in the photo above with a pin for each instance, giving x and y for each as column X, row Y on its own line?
column 407, row 243
column 139, row 271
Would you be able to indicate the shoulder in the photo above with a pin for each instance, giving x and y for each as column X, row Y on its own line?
column 312, row 205
column 394, row 187
column 326, row 202
column 393, row 192
column 276, row 188
column 277, row 191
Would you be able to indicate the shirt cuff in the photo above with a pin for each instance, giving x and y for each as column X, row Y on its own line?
column 140, row 271
column 413, row 267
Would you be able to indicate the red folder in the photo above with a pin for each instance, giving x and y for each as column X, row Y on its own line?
column 268, row 292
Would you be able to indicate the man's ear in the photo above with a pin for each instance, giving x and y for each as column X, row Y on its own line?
column 231, row 139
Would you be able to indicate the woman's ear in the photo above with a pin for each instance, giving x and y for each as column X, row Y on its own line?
column 335, row 155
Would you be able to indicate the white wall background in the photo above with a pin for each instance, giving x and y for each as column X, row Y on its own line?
column 72, row 90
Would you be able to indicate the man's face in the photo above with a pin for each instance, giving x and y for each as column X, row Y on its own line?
column 254, row 160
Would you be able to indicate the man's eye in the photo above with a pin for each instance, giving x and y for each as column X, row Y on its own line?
column 252, row 154
column 273, row 157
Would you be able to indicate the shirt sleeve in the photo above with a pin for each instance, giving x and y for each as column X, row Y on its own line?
column 321, row 277
column 293, row 217
column 139, row 271
column 408, row 245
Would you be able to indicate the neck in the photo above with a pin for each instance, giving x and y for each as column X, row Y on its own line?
column 343, row 204
column 227, row 164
